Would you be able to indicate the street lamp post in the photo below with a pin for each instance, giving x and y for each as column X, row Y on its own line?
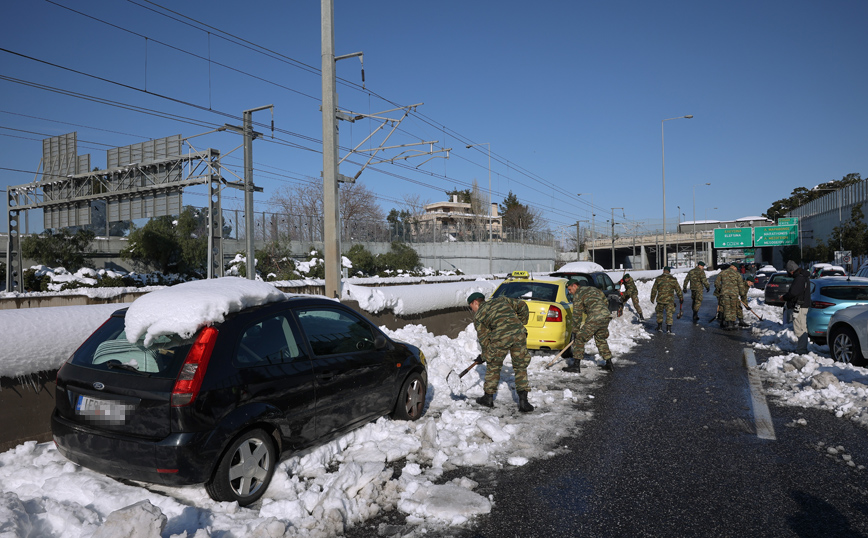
column 694, row 221
column 592, row 222
column 490, row 269
column 663, row 155
column 613, row 233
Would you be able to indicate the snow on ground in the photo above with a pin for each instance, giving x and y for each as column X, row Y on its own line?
column 385, row 465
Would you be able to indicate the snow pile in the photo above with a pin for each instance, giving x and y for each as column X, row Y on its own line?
column 184, row 308
column 819, row 382
column 416, row 299
column 38, row 339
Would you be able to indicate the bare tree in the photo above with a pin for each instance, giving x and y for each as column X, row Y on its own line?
column 302, row 206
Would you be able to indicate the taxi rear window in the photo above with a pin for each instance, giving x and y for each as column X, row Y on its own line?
column 529, row 291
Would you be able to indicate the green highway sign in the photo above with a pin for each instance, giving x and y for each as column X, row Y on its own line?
column 787, row 221
column 733, row 237
column 774, row 236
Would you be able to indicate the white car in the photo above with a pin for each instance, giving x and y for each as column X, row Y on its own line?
column 848, row 335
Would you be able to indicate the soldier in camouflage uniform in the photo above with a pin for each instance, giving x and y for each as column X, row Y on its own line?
column 631, row 292
column 696, row 280
column 663, row 291
column 590, row 302
column 731, row 285
column 500, row 328
column 742, row 293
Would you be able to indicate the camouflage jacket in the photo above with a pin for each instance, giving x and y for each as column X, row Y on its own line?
column 630, row 288
column 729, row 282
column 591, row 302
column 499, row 318
column 696, row 279
column 665, row 287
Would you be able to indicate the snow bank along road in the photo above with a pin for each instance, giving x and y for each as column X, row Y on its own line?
column 428, row 476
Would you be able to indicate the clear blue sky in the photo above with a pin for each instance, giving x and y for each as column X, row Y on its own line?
column 570, row 95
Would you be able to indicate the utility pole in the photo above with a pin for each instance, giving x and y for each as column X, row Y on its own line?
column 331, row 209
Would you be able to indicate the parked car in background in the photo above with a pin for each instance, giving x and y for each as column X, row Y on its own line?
column 835, row 270
column 762, row 276
column 221, row 405
column 776, row 286
column 581, row 271
column 550, row 320
column 829, row 295
column 848, row 335
column 817, row 267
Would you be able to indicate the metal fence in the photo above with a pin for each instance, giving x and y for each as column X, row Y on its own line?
column 285, row 227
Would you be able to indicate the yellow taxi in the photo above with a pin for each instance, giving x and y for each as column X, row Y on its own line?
column 550, row 319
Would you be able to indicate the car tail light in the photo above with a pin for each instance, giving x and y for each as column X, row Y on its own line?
column 554, row 314
column 193, row 371
column 771, row 285
column 821, row 304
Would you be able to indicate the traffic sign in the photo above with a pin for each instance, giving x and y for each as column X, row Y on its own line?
column 787, row 221
column 774, row 236
column 733, row 237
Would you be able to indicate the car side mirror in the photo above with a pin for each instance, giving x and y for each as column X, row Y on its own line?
column 379, row 342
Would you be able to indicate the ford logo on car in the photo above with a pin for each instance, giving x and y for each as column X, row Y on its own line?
column 98, row 386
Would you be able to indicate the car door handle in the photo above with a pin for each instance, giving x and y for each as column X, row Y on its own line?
column 326, row 376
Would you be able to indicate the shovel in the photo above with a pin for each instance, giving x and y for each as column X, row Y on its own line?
column 451, row 378
column 558, row 356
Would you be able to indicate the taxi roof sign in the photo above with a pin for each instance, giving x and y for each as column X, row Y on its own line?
column 519, row 274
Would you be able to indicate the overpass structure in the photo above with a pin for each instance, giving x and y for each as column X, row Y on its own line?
column 646, row 251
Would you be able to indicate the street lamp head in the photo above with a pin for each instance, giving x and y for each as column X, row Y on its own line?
column 469, row 146
column 689, row 116
column 708, row 183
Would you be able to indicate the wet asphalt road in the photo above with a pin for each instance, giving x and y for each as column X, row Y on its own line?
column 673, row 452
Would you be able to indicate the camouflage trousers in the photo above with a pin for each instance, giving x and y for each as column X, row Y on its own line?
column 731, row 307
column 599, row 329
column 696, row 297
column 635, row 298
column 494, row 355
column 669, row 307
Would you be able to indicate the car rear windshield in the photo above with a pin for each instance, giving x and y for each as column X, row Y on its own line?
column 108, row 349
column 529, row 291
column 845, row 293
column 781, row 280
column 834, row 272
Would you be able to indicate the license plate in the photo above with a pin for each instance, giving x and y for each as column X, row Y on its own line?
column 104, row 411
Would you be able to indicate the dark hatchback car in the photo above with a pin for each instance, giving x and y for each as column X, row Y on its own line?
column 599, row 280
column 777, row 285
column 220, row 408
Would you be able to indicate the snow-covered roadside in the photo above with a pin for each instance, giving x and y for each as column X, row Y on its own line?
column 382, row 466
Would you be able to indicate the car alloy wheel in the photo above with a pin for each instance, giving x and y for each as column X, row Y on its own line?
column 245, row 469
column 411, row 399
column 845, row 346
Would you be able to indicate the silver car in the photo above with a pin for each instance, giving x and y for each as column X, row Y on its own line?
column 848, row 335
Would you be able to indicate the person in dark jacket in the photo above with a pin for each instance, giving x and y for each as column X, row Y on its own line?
column 798, row 298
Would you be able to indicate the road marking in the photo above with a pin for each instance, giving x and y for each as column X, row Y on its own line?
column 762, row 418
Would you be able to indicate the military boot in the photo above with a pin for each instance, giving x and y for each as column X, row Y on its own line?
column 523, row 405
column 487, row 400
column 641, row 317
column 743, row 324
column 659, row 327
column 608, row 366
column 575, row 367
column 669, row 329
column 695, row 317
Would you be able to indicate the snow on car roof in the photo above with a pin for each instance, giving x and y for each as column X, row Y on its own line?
column 185, row 308
column 580, row 267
